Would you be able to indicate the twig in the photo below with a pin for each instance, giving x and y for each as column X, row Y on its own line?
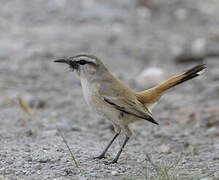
column 66, row 143
column 22, row 105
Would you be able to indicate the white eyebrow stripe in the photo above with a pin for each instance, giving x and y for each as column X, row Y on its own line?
column 88, row 59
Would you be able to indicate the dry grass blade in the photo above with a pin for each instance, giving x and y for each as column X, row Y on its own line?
column 164, row 171
column 152, row 163
column 66, row 143
column 22, row 105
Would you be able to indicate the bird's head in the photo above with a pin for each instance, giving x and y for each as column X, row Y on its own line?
column 85, row 65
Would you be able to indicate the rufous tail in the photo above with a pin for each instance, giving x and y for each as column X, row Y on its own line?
column 150, row 96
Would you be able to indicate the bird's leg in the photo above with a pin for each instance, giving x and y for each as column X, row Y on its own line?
column 118, row 154
column 102, row 155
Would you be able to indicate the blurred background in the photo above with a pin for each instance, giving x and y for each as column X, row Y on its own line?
column 143, row 42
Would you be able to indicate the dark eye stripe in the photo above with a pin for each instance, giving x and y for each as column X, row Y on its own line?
column 82, row 62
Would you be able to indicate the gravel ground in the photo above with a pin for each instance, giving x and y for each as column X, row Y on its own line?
column 128, row 35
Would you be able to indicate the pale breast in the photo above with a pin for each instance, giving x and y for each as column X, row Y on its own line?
column 91, row 94
column 87, row 91
column 96, row 102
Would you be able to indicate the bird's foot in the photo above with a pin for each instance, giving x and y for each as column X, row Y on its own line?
column 111, row 162
column 100, row 157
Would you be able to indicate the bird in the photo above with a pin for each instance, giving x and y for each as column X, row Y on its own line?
column 110, row 98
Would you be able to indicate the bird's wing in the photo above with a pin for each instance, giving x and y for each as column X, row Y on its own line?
column 130, row 106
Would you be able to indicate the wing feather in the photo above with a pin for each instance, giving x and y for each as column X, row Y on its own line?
column 130, row 107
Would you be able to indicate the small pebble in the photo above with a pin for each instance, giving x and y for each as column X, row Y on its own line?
column 114, row 173
column 165, row 149
column 141, row 158
column 2, row 170
column 38, row 166
column 205, row 178
column 44, row 160
column 29, row 133
column 19, row 163
column 27, row 158
column 216, row 158
column 216, row 174
column 198, row 46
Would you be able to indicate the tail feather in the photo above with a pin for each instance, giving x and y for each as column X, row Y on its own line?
column 185, row 76
column 152, row 95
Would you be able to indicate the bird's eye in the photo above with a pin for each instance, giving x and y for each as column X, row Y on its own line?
column 82, row 62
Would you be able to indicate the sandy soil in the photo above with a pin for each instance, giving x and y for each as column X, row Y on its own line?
column 129, row 35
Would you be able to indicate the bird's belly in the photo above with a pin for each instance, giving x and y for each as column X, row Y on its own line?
column 104, row 110
column 110, row 113
column 97, row 104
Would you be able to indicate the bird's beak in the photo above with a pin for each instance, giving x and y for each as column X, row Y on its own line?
column 73, row 64
column 66, row 61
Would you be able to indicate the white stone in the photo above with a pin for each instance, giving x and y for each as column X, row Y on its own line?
column 114, row 173
column 150, row 77
column 198, row 46
column 165, row 149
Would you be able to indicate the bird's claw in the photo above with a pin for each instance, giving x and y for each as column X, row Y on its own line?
column 110, row 162
column 100, row 157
